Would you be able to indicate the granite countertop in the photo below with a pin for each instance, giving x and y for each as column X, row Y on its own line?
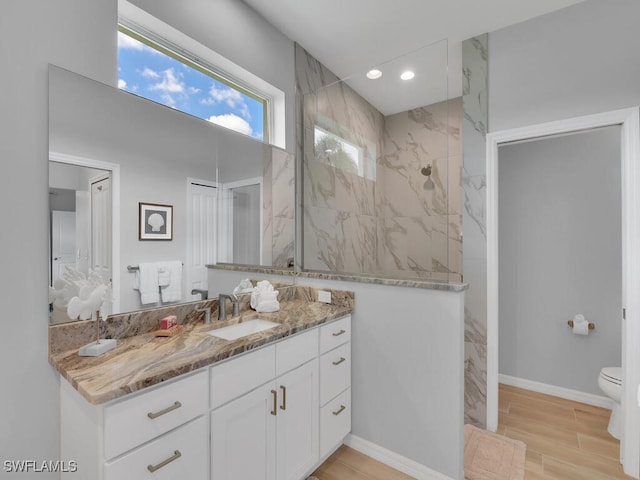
column 424, row 283
column 144, row 360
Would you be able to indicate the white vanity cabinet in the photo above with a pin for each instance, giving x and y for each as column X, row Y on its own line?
column 271, row 431
column 335, row 384
column 273, row 413
column 157, row 433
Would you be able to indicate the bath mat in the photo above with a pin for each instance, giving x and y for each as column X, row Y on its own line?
column 489, row 456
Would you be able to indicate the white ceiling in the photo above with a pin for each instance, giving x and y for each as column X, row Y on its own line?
column 352, row 36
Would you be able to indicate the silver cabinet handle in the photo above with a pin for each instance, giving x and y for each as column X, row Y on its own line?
column 176, row 455
column 275, row 401
column 342, row 359
column 284, row 398
column 337, row 334
column 153, row 415
column 339, row 411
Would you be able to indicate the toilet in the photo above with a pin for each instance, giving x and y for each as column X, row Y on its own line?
column 610, row 382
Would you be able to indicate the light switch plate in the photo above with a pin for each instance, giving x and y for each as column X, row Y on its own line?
column 324, row 296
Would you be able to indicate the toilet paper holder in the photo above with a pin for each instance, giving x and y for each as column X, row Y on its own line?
column 592, row 326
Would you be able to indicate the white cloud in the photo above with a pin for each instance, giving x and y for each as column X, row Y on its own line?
column 122, row 84
column 125, row 41
column 232, row 121
column 168, row 100
column 148, row 73
column 228, row 95
column 170, row 83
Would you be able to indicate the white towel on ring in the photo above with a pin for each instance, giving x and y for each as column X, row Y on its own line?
column 172, row 292
column 147, row 283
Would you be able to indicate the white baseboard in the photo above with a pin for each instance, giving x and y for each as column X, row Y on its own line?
column 567, row 393
column 394, row 460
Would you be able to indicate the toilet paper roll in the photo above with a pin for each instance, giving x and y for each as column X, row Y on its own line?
column 581, row 328
column 580, row 325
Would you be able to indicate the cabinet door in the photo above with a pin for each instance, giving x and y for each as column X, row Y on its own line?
column 243, row 437
column 297, row 422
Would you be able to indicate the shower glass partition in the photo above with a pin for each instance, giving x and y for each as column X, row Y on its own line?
column 381, row 170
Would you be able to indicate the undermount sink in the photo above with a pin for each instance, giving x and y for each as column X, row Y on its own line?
column 242, row 329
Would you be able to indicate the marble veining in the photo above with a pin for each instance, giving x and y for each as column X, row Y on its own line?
column 475, row 121
column 253, row 268
column 386, row 219
column 398, row 282
column 277, row 203
column 143, row 360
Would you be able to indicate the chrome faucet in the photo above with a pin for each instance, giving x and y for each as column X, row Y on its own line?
column 207, row 313
column 222, row 303
column 204, row 294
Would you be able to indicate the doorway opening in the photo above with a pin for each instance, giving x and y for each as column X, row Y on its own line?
column 629, row 123
column 84, row 221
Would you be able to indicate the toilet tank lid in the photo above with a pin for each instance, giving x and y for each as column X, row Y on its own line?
column 614, row 373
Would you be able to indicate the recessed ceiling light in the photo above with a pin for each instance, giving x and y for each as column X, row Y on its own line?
column 408, row 75
column 374, row 74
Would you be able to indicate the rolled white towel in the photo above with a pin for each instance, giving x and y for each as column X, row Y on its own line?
column 268, row 307
column 258, row 297
column 264, row 286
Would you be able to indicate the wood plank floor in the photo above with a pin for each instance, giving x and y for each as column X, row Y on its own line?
column 349, row 464
column 565, row 440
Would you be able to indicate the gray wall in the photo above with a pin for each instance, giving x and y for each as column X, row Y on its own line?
column 560, row 254
column 580, row 60
column 29, row 422
column 407, row 368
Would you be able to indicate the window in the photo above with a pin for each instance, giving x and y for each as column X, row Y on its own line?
column 338, row 152
column 155, row 69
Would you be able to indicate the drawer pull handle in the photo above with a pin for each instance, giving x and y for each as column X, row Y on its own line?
column 342, row 359
column 275, row 401
column 153, row 415
column 284, row 398
column 176, row 455
column 339, row 411
column 337, row 334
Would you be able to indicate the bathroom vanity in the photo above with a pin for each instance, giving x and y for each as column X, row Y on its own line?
column 269, row 405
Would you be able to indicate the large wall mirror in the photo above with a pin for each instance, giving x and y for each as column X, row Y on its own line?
column 115, row 159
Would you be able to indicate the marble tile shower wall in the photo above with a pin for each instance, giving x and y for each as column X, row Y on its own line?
column 421, row 216
column 392, row 222
column 278, row 207
column 340, row 221
column 475, row 125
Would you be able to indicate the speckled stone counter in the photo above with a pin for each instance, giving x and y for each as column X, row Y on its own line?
column 347, row 277
column 142, row 360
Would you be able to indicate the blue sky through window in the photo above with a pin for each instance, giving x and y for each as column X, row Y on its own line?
column 152, row 74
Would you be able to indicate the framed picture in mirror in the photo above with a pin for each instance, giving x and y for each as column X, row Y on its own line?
column 155, row 221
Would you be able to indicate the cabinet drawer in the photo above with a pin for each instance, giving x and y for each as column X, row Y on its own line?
column 335, row 372
column 335, row 422
column 241, row 374
column 295, row 351
column 130, row 422
column 182, row 453
column 335, row 333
